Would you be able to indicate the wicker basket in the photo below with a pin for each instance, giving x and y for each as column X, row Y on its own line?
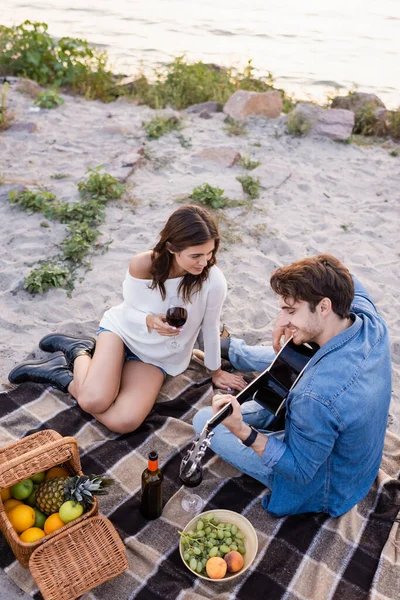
column 80, row 552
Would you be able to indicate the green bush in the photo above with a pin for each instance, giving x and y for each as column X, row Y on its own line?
column 250, row 185
column 298, row 124
column 100, row 186
column 365, row 120
column 180, row 84
column 234, row 127
column 49, row 275
column 394, row 123
column 247, row 163
column 29, row 51
column 159, row 126
column 209, row 195
column 6, row 116
column 49, row 99
column 79, row 241
column 39, row 201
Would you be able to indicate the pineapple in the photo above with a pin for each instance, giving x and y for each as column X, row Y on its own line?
column 51, row 494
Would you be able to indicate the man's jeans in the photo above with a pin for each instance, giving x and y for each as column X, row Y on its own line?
column 224, row 443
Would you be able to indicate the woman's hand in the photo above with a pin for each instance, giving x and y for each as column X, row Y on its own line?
column 228, row 381
column 235, row 421
column 159, row 324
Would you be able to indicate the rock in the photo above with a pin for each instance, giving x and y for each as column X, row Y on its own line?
column 356, row 101
column 211, row 107
column 242, row 104
column 226, row 157
column 205, row 115
column 335, row 123
column 21, row 127
column 382, row 124
column 125, row 169
column 132, row 161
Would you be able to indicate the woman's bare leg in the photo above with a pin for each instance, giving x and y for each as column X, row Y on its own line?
column 140, row 385
column 97, row 380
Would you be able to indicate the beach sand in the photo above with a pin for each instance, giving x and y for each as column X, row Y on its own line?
column 317, row 196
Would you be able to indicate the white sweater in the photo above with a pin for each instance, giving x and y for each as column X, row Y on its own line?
column 128, row 321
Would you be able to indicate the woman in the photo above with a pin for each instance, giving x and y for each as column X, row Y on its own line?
column 118, row 383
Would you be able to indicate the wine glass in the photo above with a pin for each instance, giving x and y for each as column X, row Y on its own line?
column 191, row 502
column 176, row 316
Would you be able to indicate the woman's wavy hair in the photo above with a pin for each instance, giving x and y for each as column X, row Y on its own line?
column 188, row 226
column 312, row 279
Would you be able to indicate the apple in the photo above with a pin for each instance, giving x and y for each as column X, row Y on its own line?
column 40, row 518
column 38, row 477
column 22, row 489
column 31, row 499
column 70, row 510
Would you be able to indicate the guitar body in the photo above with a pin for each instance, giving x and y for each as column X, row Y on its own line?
column 272, row 386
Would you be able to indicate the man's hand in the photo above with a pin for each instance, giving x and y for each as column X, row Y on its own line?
column 159, row 324
column 235, row 421
column 228, row 381
column 280, row 331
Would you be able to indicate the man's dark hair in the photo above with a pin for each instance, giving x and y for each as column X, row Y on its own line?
column 312, row 279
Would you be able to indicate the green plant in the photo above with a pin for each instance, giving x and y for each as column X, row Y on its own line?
column 209, row 195
column 346, row 227
column 247, row 163
column 39, row 201
column 59, row 176
column 394, row 123
column 365, row 120
column 6, row 116
column 250, row 186
column 49, row 99
column 159, row 126
column 184, row 142
column 394, row 152
column 48, row 275
column 100, row 186
column 298, row 124
column 234, row 127
column 29, row 51
column 79, row 241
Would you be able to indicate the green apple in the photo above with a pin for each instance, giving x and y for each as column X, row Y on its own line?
column 38, row 477
column 40, row 518
column 31, row 500
column 22, row 489
column 70, row 510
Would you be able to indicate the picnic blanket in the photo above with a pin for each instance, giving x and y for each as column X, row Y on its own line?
column 308, row 557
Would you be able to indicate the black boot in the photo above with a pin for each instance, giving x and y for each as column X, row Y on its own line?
column 70, row 345
column 53, row 371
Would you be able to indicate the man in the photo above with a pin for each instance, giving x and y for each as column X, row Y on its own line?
column 336, row 415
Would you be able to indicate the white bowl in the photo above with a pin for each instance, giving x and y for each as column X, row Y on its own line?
column 250, row 539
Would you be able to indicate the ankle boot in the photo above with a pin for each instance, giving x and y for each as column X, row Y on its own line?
column 70, row 345
column 53, row 371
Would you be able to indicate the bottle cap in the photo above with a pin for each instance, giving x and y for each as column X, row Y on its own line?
column 153, row 461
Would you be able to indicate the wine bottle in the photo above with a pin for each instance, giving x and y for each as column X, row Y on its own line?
column 152, row 480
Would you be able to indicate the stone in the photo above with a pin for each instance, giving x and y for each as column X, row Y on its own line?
column 243, row 104
column 205, row 115
column 226, row 157
column 356, row 101
column 335, row 123
column 211, row 107
column 23, row 127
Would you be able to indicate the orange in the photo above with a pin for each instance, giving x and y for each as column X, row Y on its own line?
column 5, row 494
column 10, row 504
column 56, row 472
column 22, row 517
column 52, row 523
column 33, row 534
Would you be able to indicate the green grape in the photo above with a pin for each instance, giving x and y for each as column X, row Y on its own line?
column 220, row 535
column 224, row 549
column 197, row 551
column 213, row 535
column 209, row 517
column 239, row 535
column 208, row 530
column 193, row 564
column 215, row 520
column 234, row 546
column 199, row 525
column 242, row 550
column 228, row 541
column 199, row 566
column 234, row 529
column 213, row 551
column 228, row 526
column 186, row 556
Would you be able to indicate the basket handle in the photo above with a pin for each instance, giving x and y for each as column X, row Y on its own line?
column 40, row 459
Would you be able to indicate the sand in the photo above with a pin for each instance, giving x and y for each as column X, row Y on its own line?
column 317, row 196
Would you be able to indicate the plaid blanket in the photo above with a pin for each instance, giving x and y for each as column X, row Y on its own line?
column 308, row 557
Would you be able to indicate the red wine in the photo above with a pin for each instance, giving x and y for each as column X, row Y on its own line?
column 152, row 479
column 176, row 316
column 194, row 480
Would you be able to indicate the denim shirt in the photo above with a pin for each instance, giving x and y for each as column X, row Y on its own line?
column 335, row 421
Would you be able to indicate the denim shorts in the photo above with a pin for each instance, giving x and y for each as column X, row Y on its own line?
column 129, row 355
